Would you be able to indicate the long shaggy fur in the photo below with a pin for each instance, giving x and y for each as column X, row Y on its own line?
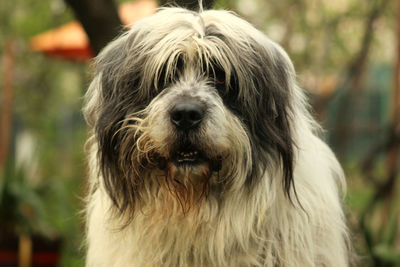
column 267, row 191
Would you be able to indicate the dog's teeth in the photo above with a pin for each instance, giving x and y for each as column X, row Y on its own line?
column 188, row 154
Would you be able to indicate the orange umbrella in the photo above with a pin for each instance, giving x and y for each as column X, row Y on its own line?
column 70, row 41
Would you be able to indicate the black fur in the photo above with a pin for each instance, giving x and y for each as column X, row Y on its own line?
column 265, row 111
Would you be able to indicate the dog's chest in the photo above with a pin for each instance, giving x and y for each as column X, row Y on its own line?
column 183, row 242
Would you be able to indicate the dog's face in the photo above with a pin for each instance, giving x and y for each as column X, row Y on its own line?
column 202, row 101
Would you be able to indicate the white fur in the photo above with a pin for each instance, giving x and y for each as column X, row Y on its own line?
column 260, row 227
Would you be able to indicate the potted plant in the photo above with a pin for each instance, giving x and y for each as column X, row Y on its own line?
column 25, row 239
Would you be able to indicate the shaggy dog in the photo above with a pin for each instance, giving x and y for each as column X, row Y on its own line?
column 203, row 152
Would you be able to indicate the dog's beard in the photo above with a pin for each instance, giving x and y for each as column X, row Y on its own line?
column 188, row 184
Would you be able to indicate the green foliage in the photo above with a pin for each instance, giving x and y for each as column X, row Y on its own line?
column 21, row 207
column 382, row 242
column 47, row 102
column 375, row 224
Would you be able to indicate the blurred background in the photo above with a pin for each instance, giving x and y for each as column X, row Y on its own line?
column 346, row 53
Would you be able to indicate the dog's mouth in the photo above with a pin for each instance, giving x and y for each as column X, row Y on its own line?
column 190, row 156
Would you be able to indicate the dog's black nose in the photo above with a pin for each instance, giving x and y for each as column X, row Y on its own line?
column 186, row 115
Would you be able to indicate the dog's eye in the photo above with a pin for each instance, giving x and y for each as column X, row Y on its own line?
column 219, row 81
column 218, row 76
column 161, row 81
column 164, row 78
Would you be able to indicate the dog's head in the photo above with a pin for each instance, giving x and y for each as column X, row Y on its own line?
column 200, row 100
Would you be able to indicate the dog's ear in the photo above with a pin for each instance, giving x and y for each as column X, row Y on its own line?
column 270, row 116
column 126, row 79
column 117, row 84
column 260, row 80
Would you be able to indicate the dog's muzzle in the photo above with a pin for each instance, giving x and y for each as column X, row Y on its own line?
column 186, row 116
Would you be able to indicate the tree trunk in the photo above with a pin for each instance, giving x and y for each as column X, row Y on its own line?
column 6, row 107
column 100, row 20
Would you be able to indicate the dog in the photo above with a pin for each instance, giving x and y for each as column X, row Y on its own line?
column 202, row 152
